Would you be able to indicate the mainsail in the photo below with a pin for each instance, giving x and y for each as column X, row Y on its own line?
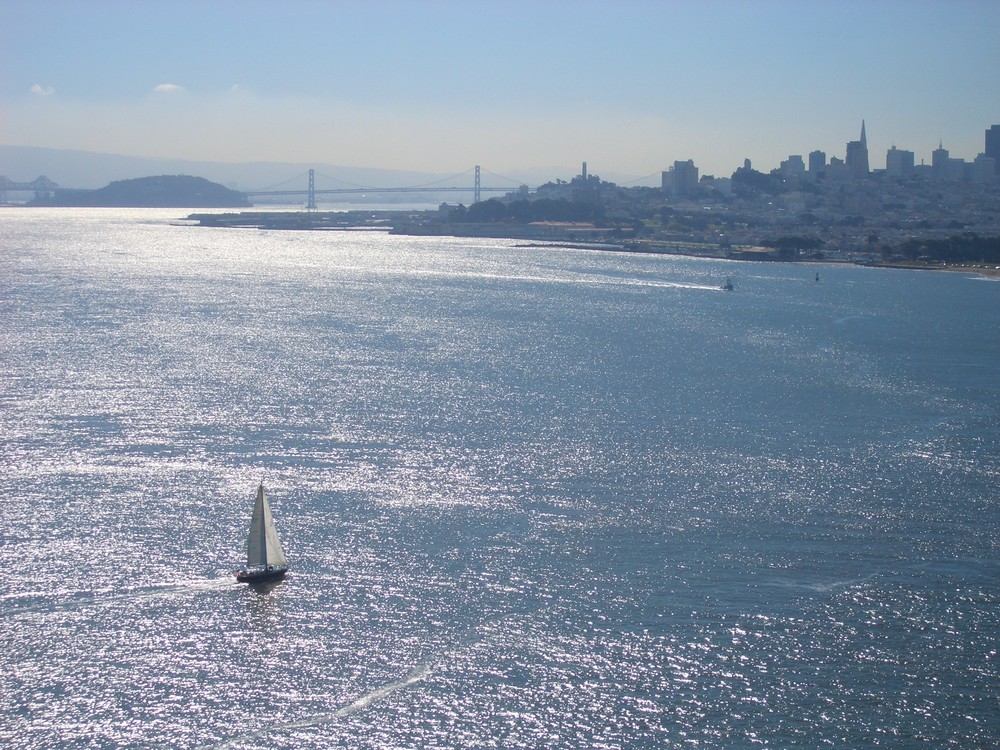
column 263, row 546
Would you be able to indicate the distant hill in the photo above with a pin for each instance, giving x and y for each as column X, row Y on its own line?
column 164, row 191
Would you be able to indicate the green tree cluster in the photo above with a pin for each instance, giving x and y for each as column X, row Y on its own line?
column 967, row 247
column 525, row 211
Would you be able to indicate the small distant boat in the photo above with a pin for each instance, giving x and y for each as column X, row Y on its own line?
column 728, row 286
column 265, row 558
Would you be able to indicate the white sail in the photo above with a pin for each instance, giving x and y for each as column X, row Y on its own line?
column 263, row 546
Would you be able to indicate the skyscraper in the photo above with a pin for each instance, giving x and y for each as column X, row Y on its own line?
column 940, row 162
column 857, row 155
column 793, row 167
column 898, row 163
column 682, row 178
column 993, row 144
column 984, row 169
column 817, row 161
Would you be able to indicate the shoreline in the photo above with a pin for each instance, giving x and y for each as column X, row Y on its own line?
column 990, row 271
column 401, row 223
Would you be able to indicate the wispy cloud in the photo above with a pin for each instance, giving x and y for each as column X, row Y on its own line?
column 167, row 88
column 40, row 90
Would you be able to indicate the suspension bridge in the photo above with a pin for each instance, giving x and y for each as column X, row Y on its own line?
column 444, row 185
column 307, row 187
column 39, row 186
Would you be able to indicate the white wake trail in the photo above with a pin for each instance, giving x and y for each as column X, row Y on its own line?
column 366, row 700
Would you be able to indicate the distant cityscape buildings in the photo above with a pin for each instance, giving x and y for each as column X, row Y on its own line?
column 682, row 178
column 820, row 208
column 843, row 204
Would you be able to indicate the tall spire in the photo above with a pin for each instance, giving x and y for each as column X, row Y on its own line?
column 864, row 140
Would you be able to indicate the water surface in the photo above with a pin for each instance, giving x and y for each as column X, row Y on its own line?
column 531, row 496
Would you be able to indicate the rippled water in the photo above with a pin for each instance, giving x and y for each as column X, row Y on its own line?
column 531, row 497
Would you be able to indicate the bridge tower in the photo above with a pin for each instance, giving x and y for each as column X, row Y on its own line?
column 311, row 203
column 475, row 196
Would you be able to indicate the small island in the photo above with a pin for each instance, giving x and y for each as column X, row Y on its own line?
column 164, row 191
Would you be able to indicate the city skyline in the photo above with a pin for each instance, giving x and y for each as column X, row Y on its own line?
column 438, row 86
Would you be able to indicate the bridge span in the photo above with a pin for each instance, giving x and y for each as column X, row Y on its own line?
column 39, row 186
column 42, row 186
column 439, row 186
column 365, row 191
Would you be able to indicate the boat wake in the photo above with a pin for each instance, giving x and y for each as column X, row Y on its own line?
column 416, row 675
column 555, row 278
column 823, row 587
column 384, row 691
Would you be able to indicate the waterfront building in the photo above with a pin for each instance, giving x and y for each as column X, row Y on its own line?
column 898, row 163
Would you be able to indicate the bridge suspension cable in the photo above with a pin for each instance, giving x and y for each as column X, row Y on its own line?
column 430, row 184
column 345, row 182
column 503, row 177
column 280, row 184
column 444, row 179
column 640, row 179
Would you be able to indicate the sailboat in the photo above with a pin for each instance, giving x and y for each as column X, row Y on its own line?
column 265, row 558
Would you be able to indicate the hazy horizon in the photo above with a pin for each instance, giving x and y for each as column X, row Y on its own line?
column 440, row 86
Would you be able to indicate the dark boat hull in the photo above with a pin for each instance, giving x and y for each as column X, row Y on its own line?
column 260, row 574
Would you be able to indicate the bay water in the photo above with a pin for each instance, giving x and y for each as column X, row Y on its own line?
column 531, row 496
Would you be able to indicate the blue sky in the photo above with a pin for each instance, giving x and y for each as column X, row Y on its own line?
column 439, row 86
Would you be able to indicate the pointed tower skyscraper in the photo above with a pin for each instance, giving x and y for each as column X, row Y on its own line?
column 857, row 155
